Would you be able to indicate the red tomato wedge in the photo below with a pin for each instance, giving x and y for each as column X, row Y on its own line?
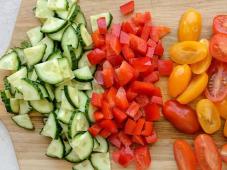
column 220, row 24
column 184, row 155
column 127, row 7
column 224, row 153
column 207, row 153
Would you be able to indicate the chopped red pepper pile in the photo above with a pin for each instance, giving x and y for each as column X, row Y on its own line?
column 129, row 64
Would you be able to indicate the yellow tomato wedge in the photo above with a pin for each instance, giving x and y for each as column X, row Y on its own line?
column 194, row 89
column 190, row 26
column 179, row 79
column 188, row 52
column 222, row 108
column 208, row 116
column 225, row 129
column 203, row 65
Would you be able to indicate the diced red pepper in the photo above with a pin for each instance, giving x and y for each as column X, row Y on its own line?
column 114, row 59
column 115, row 44
column 143, row 88
column 127, row 52
column 141, row 64
column 98, row 77
column 142, row 100
column 157, row 100
column 146, row 32
column 96, row 56
column 94, row 129
column 142, row 157
column 98, row 116
column 96, row 99
column 138, row 44
column 125, row 139
column 105, row 133
column 148, row 128
column 157, row 92
column 129, row 27
column 139, row 126
column 114, row 140
column 121, row 100
column 138, row 115
column 127, row 7
column 138, row 140
column 130, row 126
column 108, row 125
column 151, row 43
column 159, row 50
column 152, row 138
column 124, row 73
column 152, row 112
column 110, row 97
column 119, row 115
column 98, row 39
column 157, row 32
column 141, row 19
column 133, row 109
column 106, row 110
column 165, row 67
column 108, row 74
column 102, row 25
column 131, row 94
column 152, row 77
column 124, row 38
column 150, row 52
column 126, row 156
column 116, row 30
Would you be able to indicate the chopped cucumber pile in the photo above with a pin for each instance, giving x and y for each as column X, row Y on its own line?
column 52, row 75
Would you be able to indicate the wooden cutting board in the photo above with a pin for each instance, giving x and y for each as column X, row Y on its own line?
column 30, row 146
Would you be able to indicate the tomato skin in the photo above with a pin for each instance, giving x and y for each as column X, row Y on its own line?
column 218, row 48
column 222, row 108
column 182, row 117
column 179, row 79
column 195, row 88
column 190, row 26
column 224, row 153
column 184, row 155
column 188, row 52
column 219, row 24
column 127, row 7
column 207, row 153
column 142, row 157
column 208, row 116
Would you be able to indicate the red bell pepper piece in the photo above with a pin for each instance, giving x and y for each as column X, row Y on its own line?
column 141, row 64
column 131, row 94
column 94, row 129
column 152, row 138
column 138, row 44
column 127, row 52
column 165, row 67
column 127, row 7
column 151, row 43
column 108, row 74
column 152, row 112
column 152, row 77
column 146, row 32
column 150, row 52
column 129, row 27
column 142, row 157
column 96, row 56
column 124, row 38
column 116, row 30
column 142, row 18
column 157, row 100
column 138, row 140
column 109, row 125
column 98, row 77
column 96, row 99
column 159, row 50
column 110, row 97
column 123, row 156
column 106, row 110
column 115, row 44
column 157, row 32
column 98, row 39
column 148, row 128
column 138, row 115
column 124, row 73
column 119, row 115
column 139, row 126
column 114, row 59
column 105, row 133
column 133, row 109
column 98, row 116
column 125, row 139
column 114, row 140
column 130, row 126
column 121, row 100
column 102, row 25
column 143, row 88
column 142, row 100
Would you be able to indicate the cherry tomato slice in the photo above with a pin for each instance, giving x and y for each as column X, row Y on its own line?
column 224, row 153
column 217, row 85
column 218, row 48
column 207, row 153
column 184, row 155
column 222, row 108
column 208, row 115
column 220, row 24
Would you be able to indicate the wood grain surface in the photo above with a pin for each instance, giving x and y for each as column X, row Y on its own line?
column 30, row 146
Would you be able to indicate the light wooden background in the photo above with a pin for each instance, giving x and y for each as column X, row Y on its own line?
column 30, row 146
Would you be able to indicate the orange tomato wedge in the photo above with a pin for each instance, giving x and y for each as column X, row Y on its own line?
column 224, row 153
column 225, row 129
column 208, row 116
column 222, row 108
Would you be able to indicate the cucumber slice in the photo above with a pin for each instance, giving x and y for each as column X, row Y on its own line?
column 78, row 52
column 89, row 93
column 55, row 55
column 14, row 105
column 20, row 54
column 85, row 36
column 18, row 95
column 57, row 4
column 52, row 25
column 68, row 148
column 103, row 145
column 85, row 62
column 57, row 36
column 50, row 92
column 24, row 107
column 77, row 124
column 71, row 94
column 64, row 115
column 83, row 74
column 80, row 18
column 42, row 10
column 72, row 157
column 49, row 72
column 85, row 165
column 6, row 101
column 42, row 106
column 96, row 144
column 65, row 104
column 101, row 161
column 65, row 68
column 69, row 38
column 50, row 47
column 10, row 61
column 32, row 75
column 23, row 121
column 43, row 90
column 82, row 85
column 96, row 87
column 34, row 54
column 90, row 109
column 35, row 35
column 73, row 11
column 15, row 78
column 56, row 149
column 51, row 128
column 82, row 144
column 82, row 101
column 93, row 19
column 63, row 14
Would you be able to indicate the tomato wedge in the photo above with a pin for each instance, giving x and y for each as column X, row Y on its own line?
column 220, row 24
column 207, row 153
column 224, row 153
column 217, row 85
column 184, row 155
